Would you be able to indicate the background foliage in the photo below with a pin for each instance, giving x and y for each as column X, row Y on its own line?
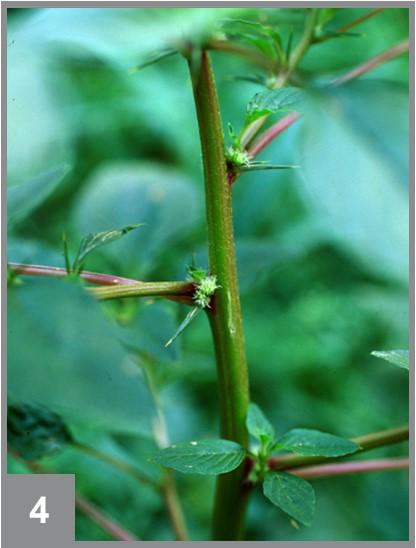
column 322, row 255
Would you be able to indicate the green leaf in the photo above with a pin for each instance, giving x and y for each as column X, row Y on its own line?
column 315, row 443
column 271, row 102
column 34, row 431
column 120, row 193
column 291, row 494
column 397, row 357
column 353, row 144
column 208, row 457
column 24, row 198
column 97, row 239
column 258, row 425
column 63, row 353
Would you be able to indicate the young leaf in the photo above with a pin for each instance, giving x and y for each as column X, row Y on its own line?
column 291, row 494
column 258, row 425
column 34, row 431
column 66, row 253
column 397, row 357
column 315, row 443
column 272, row 101
column 189, row 317
column 208, row 457
column 196, row 273
column 97, row 239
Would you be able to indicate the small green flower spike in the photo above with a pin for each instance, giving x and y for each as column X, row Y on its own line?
column 205, row 289
column 237, row 157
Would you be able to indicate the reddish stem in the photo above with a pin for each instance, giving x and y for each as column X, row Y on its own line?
column 57, row 272
column 280, row 126
column 275, row 130
column 372, row 63
column 356, row 22
column 184, row 293
column 342, row 468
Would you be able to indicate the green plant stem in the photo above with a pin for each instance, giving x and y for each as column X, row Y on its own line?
column 173, row 506
column 283, row 77
column 301, row 48
column 225, row 315
column 168, row 485
column 354, row 467
column 178, row 290
column 366, row 442
column 305, row 41
column 117, row 287
column 116, row 463
column 281, row 125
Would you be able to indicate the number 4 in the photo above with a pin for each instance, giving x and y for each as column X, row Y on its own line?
column 39, row 511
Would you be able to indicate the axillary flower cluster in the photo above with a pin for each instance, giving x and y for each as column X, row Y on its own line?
column 205, row 286
column 205, row 289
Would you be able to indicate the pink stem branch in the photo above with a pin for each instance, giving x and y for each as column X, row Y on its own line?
column 342, row 468
column 372, row 63
column 280, row 126
column 349, row 26
column 177, row 291
column 275, row 130
column 54, row 271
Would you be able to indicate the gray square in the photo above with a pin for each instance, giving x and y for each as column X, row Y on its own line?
column 22, row 492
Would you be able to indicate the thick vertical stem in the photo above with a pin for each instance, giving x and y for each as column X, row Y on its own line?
column 225, row 315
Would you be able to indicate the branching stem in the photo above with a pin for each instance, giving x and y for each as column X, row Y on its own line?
column 117, row 287
column 277, row 128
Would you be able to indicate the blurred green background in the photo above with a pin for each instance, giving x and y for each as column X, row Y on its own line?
column 322, row 255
